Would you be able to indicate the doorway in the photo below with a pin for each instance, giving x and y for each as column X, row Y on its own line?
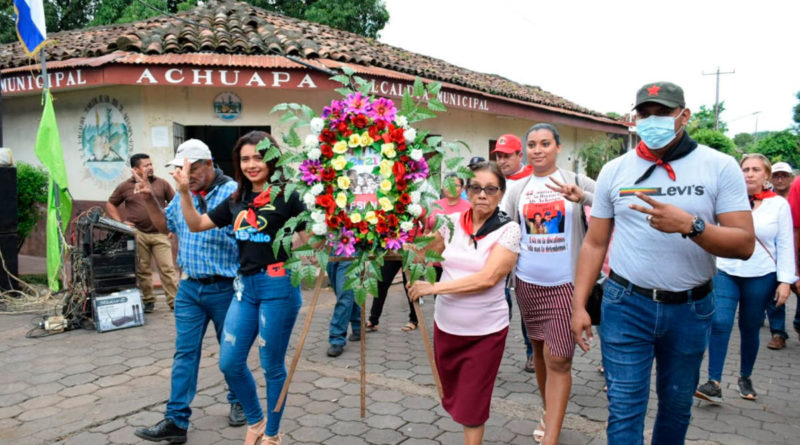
column 220, row 139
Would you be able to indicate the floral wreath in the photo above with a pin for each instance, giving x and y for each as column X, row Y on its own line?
column 347, row 131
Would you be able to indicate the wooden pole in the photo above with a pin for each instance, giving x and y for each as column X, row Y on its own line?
column 428, row 348
column 301, row 342
column 363, row 359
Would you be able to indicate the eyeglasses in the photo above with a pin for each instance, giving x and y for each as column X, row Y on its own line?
column 490, row 190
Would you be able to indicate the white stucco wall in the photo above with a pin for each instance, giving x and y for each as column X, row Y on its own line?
column 160, row 106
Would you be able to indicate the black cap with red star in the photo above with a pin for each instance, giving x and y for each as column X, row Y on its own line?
column 664, row 93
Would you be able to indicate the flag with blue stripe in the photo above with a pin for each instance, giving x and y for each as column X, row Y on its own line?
column 31, row 27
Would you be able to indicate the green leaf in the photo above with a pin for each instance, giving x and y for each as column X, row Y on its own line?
column 347, row 70
column 407, row 105
column 372, row 286
column 344, row 91
column 361, row 295
column 451, row 163
column 436, row 105
column 280, row 107
column 434, row 88
column 433, row 141
column 430, row 274
column 322, row 259
column 419, row 87
column 365, row 89
column 421, row 115
column 431, row 256
column 289, row 189
column 341, row 78
column 292, row 139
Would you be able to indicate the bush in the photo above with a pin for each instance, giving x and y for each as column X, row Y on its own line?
column 716, row 140
column 597, row 152
column 31, row 199
column 780, row 146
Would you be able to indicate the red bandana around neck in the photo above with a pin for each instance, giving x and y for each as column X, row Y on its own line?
column 259, row 201
column 524, row 173
column 647, row 155
column 202, row 193
column 764, row 194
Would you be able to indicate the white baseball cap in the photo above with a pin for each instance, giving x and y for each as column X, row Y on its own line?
column 782, row 167
column 192, row 149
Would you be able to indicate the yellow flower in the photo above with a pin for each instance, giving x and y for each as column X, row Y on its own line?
column 339, row 162
column 366, row 140
column 355, row 140
column 343, row 182
column 386, row 204
column 341, row 200
column 386, row 185
column 386, row 168
column 355, row 218
column 371, row 217
column 340, row 147
column 388, row 150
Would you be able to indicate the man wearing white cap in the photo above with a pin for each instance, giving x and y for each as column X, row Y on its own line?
column 782, row 176
column 209, row 261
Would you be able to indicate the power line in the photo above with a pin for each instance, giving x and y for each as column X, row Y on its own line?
column 716, row 101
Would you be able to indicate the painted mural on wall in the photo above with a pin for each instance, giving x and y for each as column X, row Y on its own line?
column 227, row 106
column 105, row 138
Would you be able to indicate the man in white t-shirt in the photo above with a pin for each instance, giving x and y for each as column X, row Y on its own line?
column 673, row 206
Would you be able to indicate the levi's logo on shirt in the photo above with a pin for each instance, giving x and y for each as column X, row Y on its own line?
column 673, row 190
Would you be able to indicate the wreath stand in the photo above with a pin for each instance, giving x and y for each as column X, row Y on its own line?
column 307, row 326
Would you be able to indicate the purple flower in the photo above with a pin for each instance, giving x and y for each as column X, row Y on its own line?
column 397, row 243
column 311, row 171
column 347, row 243
column 383, row 110
column 417, row 170
column 334, row 113
column 357, row 103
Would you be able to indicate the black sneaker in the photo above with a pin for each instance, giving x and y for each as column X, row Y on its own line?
column 355, row 336
column 335, row 350
column 149, row 308
column 236, row 415
column 164, row 430
column 709, row 391
column 746, row 390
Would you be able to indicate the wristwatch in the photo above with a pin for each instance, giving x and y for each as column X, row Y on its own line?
column 698, row 226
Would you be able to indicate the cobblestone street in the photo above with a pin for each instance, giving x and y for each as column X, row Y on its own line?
column 86, row 388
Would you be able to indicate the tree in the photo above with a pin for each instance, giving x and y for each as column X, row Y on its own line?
column 780, row 146
column 716, row 140
column 743, row 140
column 59, row 15
column 31, row 198
column 704, row 119
column 597, row 152
column 796, row 116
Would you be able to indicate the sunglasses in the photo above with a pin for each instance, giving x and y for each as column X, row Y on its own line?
column 490, row 190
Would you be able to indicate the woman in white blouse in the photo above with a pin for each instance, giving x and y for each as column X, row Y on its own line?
column 751, row 284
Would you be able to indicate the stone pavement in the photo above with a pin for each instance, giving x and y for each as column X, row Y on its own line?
column 86, row 388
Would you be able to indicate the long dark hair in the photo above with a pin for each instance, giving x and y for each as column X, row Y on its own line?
column 251, row 138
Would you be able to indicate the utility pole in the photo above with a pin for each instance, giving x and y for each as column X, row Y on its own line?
column 716, row 101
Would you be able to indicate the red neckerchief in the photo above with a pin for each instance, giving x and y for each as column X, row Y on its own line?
column 760, row 196
column 647, row 155
column 524, row 173
column 259, row 201
column 202, row 193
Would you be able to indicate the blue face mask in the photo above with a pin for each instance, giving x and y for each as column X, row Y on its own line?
column 656, row 131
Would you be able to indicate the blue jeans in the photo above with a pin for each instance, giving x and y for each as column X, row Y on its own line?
column 752, row 295
column 195, row 305
column 346, row 308
column 636, row 330
column 266, row 307
column 777, row 318
column 528, row 344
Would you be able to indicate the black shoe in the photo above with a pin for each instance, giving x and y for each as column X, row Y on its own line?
column 149, row 308
column 709, row 391
column 335, row 350
column 355, row 336
column 164, row 430
column 746, row 390
column 236, row 416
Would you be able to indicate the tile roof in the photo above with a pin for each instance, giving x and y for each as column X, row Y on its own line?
column 228, row 27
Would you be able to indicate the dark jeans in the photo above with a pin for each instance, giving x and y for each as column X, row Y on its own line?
column 195, row 305
column 388, row 272
column 528, row 344
column 346, row 310
column 777, row 318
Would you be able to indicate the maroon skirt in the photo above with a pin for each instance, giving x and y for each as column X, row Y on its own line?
column 468, row 367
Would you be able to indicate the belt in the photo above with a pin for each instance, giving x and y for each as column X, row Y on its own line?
column 212, row 279
column 666, row 296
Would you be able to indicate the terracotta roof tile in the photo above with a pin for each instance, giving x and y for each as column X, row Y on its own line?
column 229, row 27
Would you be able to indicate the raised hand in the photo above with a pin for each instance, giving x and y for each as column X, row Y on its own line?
column 570, row 192
column 141, row 185
column 181, row 177
column 663, row 217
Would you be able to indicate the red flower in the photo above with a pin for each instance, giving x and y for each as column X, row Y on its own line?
column 346, row 220
column 401, row 184
column 405, row 198
column 363, row 227
column 334, row 221
column 374, row 132
column 328, row 174
column 392, row 221
column 382, row 227
column 360, row 121
column 342, row 127
column 327, row 202
column 399, row 170
column 400, row 208
column 329, row 189
column 401, row 147
column 327, row 151
column 397, row 136
column 327, row 136
column 346, row 133
column 404, row 159
column 382, row 125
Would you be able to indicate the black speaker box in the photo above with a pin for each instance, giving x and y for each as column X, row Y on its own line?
column 8, row 247
column 8, row 200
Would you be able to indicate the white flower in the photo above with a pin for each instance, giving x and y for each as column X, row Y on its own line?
column 319, row 228
column 406, row 226
column 309, row 200
column 410, row 134
column 401, row 121
column 312, row 141
column 414, row 209
column 316, row 189
column 314, row 154
column 317, row 216
column 416, row 196
column 416, row 154
column 317, row 124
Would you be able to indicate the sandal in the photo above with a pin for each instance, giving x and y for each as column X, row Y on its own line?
column 272, row 440
column 408, row 327
column 371, row 327
column 538, row 433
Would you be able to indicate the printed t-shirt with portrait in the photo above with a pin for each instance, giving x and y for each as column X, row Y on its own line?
column 707, row 183
column 255, row 243
column 544, row 258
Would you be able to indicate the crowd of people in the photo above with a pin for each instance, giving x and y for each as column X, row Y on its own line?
column 696, row 235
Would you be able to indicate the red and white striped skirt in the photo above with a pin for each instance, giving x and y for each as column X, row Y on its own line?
column 547, row 314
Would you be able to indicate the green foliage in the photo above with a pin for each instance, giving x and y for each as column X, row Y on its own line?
column 780, row 146
column 613, row 115
column 704, row 120
column 796, row 116
column 597, row 152
column 716, row 140
column 743, row 140
column 59, row 15
column 31, row 198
